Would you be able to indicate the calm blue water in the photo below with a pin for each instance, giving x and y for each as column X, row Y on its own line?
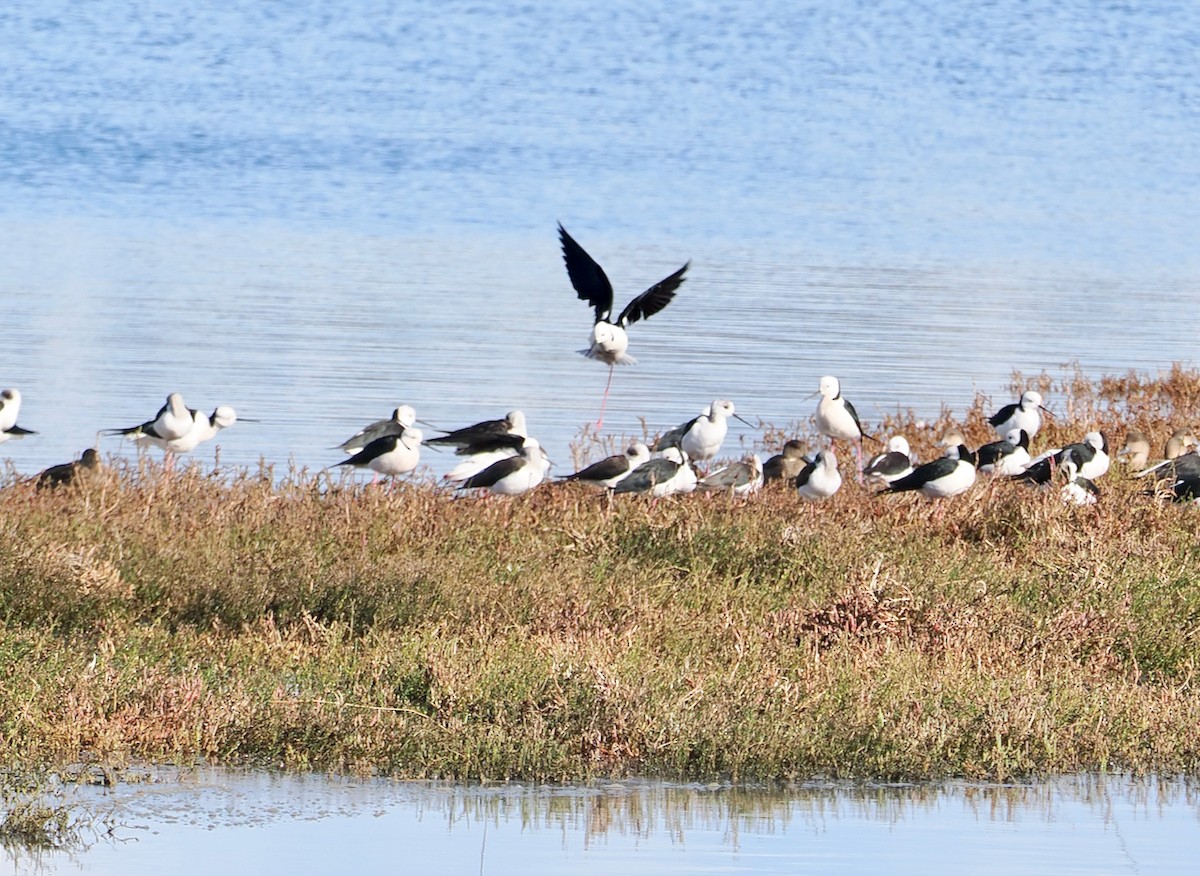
column 222, row 822
column 314, row 213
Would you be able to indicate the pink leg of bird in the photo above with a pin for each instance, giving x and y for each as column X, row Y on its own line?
column 604, row 401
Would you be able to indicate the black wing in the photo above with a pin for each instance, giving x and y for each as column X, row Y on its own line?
column 1041, row 471
column 375, row 449
column 854, row 416
column 806, row 473
column 469, row 435
column 490, row 443
column 494, row 473
column 1002, row 415
column 922, row 475
column 674, row 436
column 18, row 431
column 989, row 454
column 891, row 463
column 606, row 468
column 590, row 282
column 647, row 475
column 652, row 300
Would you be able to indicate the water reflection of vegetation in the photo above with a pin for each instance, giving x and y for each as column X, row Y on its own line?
column 675, row 811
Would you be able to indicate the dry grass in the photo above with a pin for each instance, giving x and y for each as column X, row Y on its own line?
column 290, row 622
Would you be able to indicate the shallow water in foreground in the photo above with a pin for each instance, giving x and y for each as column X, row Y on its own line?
column 217, row 820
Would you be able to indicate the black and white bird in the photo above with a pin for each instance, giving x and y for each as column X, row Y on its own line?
column 739, row 479
column 67, row 472
column 172, row 422
column 894, row 463
column 611, row 470
column 837, row 419
column 948, row 476
column 515, row 475
column 1078, row 490
column 664, row 475
column 10, row 409
column 1024, row 415
column 1090, row 457
column 470, row 439
column 701, row 437
column 204, row 428
column 1183, row 487
column 1007, row 457
column 820, row 479
column 786, row 464
column 1185, row 466
column 609, row 340
column 391, row 455
column 402, row 418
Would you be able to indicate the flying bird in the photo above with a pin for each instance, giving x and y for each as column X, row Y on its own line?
column 609, row 340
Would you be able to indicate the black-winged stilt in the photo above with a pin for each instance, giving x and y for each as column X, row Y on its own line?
column 611, row 470
column 1025, row 414
column 609, row 340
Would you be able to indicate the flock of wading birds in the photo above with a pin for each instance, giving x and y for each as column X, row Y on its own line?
column 499, row 456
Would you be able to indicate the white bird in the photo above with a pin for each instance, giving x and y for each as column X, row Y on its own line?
column 954, row 473
column 204, row 428
column 786, row 464
column 820, row 479
column 894, row 463
column 1090, row 457
column 609, row 340
column 836, row 417
column 701, row 437
column 10, row 409
column 515, row 475
column 738, row 479
column 1025, row 415
column 1179, row 443
column 391, row 455
column 1078, row 490
column 402, row 418
column 662, row 476
column 173, row 421
column 611, row 470
column 1005, row 458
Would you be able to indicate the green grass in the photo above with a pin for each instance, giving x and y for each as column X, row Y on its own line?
column 148, row 616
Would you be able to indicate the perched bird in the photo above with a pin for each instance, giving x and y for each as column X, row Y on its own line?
column 662, row 476
column 515, row 475
column 1078, row 490
column 701, row 437
column 952, row 437
column 67, row 472
column 204, row 428
column 402, row 418
column 390, row 455
column 483, row 453
column 10, row 408
column 954, row 473
column 836, row 417
column 609, row 340
column 894, row 463
column 1180, row 442
column 475, row 438
column 1090, row 457
column 1136, row 452
column 1025, row 415
column 1005, row 458
column 738, row 479
column 1185, row 466
column 173, row 420
column 612, row 470
column 820, row 479
column 787, row 464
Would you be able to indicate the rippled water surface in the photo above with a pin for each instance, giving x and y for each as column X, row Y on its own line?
column 315, row 213
column 214, row 821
